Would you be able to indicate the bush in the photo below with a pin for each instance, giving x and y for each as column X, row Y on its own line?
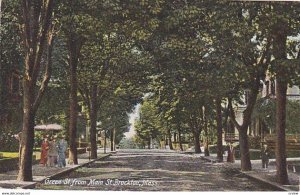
column 8, row 142
column 213, row 149
column 254, row 154
column 293, row 153
column 254, row 142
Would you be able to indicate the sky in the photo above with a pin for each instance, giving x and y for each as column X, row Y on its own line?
column 132, row 117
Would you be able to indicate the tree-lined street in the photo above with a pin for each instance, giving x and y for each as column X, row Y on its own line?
column 158, row 170
column 209, row 77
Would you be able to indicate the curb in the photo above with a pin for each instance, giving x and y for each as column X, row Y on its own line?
column 64, row 172
column 268, row 183
column 255, row 178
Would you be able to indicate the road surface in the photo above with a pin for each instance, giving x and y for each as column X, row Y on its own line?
column 154, row 170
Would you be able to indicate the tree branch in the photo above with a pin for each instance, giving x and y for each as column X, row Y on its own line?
column 48, row 71
column 84, row 92
column 232, row 115
column 42, row 38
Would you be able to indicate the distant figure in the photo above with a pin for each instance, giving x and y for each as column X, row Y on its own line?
column 265, row 155
column 56, row 150
column 62, row 148
column 52, row 152
column 44, row 151
column 230, row 154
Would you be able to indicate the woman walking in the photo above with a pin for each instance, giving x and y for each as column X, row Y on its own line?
column 52, row 153
column 44, row 151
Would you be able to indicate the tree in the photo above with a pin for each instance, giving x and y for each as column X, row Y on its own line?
column 10, row 70
column 281, row 28
column 37, row 33
column 246, row 65
column 147, row 126
column 73, row 31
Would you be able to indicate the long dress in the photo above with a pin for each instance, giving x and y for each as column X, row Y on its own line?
column 44, row 152
column 52, row 153
column 62, row 147
column 230, row 156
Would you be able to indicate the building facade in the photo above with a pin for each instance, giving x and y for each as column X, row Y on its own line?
column 258, row 127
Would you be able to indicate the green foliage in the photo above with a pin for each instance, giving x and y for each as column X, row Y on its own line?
column 148, row 125
column 185, row 54
column 265, row 109
column 127, row 143
column 8, row 141
column 255, row 142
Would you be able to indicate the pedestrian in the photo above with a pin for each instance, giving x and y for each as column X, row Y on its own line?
column 56, row 150
column 265, row 155
column 44, row 151
column 230, row 154
column 52, row 152
column 62, row 148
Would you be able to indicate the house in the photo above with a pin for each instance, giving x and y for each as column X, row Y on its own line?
column 258, row 127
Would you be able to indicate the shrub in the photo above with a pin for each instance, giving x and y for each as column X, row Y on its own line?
column 8, row 142
column 254, row 142
column 213, row 148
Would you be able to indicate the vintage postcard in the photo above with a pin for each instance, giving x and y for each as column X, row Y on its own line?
column 150, row 96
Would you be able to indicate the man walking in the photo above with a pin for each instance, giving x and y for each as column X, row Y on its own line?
column 265, row 155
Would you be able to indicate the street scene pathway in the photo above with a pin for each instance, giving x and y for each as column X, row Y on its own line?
column 154, row 170
column 40, row 173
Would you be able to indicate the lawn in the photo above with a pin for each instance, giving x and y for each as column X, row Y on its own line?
column 16, row 154
column 9, row 154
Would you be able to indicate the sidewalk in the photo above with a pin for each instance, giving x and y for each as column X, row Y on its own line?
column 267, row 176
column 40, row 173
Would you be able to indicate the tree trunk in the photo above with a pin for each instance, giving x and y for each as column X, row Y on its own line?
column 282, row 176
column 26, row 149
column 36, row 22
column 93, row 120
column 149, row 143
column 104, row 142
column 74, row 54
column 112, row 140
column 175, row 137
column 27, row 136
column 279, row 51
column 170, row 139
column 31, row 102
column 206, row 149
column 197, row 141
column 243, row 136
column 244, row 150
column 166, row 141
column 219, row 130
column 179, row 137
